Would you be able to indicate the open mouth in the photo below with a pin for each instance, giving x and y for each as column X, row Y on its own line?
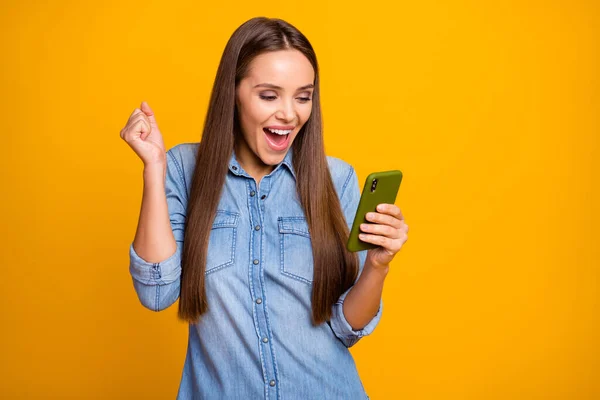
column 277, row 139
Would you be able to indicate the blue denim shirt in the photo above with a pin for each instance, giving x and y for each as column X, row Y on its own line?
column 256, row 341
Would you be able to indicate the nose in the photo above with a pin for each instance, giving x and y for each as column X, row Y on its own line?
column 286, row 111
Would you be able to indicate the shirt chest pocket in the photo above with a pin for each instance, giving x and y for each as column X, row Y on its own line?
column 295, row 249
column 222, row 240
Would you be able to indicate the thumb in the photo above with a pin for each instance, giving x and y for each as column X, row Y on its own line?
column 149, row 113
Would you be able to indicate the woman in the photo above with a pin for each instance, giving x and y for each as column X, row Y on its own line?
column 273, row 298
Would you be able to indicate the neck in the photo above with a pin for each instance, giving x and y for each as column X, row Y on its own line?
column 250, row 162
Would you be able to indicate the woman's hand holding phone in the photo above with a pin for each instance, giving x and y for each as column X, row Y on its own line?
column 142, row 134
column 379, row 225
column 387, row 230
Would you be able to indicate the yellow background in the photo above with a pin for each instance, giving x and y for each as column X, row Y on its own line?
column 490, row 110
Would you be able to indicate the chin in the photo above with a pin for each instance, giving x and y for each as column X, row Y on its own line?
column 272, row 160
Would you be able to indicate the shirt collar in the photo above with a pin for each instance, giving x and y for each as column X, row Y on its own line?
column 236, row 168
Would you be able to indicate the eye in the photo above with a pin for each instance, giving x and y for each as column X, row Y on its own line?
column 305, row 97
column 268, row 98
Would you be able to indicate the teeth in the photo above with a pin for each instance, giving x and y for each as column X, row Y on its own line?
column 280, row 132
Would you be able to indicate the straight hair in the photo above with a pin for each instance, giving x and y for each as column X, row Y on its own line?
column 335, row 268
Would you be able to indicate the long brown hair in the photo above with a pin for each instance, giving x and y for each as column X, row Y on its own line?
column 335, row 269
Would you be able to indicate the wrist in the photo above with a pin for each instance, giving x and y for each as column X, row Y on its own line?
column 380, row 269
column 155, row 171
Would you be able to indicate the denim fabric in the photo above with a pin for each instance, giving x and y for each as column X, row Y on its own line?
column 256, row 341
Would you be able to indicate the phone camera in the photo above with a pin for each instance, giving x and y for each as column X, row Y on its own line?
column 373, row 185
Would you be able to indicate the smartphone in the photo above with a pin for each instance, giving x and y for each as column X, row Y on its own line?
column 380, row 187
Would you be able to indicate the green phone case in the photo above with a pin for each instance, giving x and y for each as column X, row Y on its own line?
column 386, row 190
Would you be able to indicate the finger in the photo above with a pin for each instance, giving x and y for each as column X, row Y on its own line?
column 392, row 245
column 130, row 126
column 148, row 112
column 133, row 119
column 140, row 128
column 134, row 124
column 390, row 209
column 134, row 113
column 144, row 135
column 384, row 230
column 144, row 128
column 144, row 118
column 384, row 219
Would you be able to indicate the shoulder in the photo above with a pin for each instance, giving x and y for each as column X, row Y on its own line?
column 342, row 174
column 181, row 162
column 183, row 157
column 183, row 153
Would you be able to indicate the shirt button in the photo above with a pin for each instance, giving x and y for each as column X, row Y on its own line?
column 263, row 196
column 257, row 227
column 258, row 301
column 233, row 167
column 255, row 262
column 265, row 339
column 272, row 383
column 252, row 193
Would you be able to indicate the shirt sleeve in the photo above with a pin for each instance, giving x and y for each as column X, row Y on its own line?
column 343, row 330
column 158, row 284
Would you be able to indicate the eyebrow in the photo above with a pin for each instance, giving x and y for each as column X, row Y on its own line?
column 271, row 86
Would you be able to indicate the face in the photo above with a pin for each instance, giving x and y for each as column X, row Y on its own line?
column 273, row 101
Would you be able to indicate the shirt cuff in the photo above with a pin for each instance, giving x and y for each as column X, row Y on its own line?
column 343, row 330
column 148, row 273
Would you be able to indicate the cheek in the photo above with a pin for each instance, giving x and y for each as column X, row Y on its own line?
column 251, row 117
column 259, row 112
column 304, row 114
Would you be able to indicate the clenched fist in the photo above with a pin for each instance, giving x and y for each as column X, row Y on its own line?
column 142, row 134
